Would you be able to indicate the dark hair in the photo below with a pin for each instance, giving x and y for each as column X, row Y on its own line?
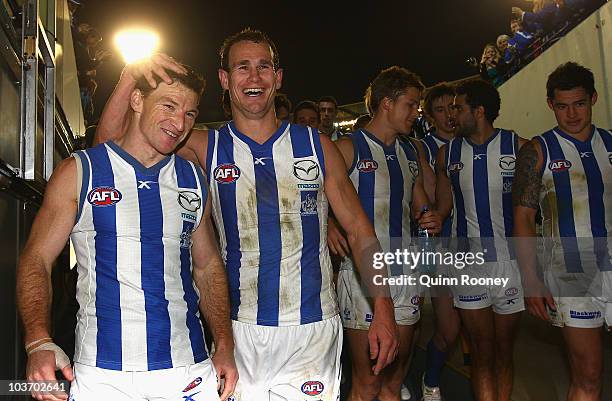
column 436, row 92
column 246, row 35
column 303, row 105
column 281, row 100
column 391, row 83
column 481, row 93
column 569, row 76
column 361, row 121
column 329, row 99
column 226, row 105
column 191, row 80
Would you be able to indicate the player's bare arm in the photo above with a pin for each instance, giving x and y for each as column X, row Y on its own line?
column 444, row 192
column 428, row 177
column 48, row 237
column 431, row 219
column 210, row 278
column 383, row 334
column 525, row 201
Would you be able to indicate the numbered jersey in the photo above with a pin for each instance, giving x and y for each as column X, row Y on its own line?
column 481, row 177
column 138, row 305
column 270, row 208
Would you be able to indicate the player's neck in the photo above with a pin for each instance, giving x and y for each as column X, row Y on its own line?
column 482, row 134
column 134, row 143
column 382, row 131
column 259, row 130
column 583, row 135
column 326, row 130
column 444, row 135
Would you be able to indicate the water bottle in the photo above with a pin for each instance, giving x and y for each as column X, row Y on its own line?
column 427, row 245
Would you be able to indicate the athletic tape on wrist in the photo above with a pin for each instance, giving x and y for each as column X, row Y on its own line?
column 61, row 359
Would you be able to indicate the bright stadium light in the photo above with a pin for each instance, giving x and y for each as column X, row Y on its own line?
column 136, row 45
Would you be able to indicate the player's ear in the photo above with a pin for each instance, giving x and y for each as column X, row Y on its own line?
column 279, row 78
column 550, row 103
column 594, row 98
column 136, row 100
column 223, row 78
column 386, row 103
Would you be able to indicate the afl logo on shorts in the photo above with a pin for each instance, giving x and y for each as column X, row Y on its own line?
column 510, row 292
column 610, row 157
column 367, row 165
column 193, row 384
column 103, row 196
column 226, row 173
column 559, row 165
column 312, row 388
column 306, row 170
column 455, row 167
column 415, row 300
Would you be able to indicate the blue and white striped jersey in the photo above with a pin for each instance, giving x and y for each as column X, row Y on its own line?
column 576, row 196
column 270, row 208
column 138, row 305
column 384, row 177
column 481, row 178
column 432, row 144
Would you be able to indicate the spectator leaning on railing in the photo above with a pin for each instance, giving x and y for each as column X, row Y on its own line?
column 492, row 67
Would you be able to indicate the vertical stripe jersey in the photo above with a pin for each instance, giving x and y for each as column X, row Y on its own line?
column 270, row 208
column 384, row 177
column 576, row 196
column 138, row 305
column 481, row 178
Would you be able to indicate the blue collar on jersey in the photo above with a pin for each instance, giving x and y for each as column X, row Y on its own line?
column 572, row 138
column 378, row 141
column 259, row 146
column 485, row 143
column 153, row 170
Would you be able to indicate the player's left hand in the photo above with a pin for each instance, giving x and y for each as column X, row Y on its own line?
column 383, row 335
column 431, row 220
column 224, row 363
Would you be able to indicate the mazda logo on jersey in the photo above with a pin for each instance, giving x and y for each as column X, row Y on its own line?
column 312, row 387
column 414, row 167
column 306, row 170
column 367, row 165
column 189, row 201
column 226, row 173
column 455, row 167
column 507, row 162
column 559, row 165
column 104, row 196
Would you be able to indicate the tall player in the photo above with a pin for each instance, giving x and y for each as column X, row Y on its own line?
column 438, row 107
column 567, row 171
column 475, row 173
column 139, row 219
column 270, row 186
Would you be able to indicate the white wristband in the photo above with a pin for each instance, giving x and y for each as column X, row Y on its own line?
column 61, row 359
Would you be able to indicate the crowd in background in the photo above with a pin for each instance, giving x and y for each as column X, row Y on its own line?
column 531, row 32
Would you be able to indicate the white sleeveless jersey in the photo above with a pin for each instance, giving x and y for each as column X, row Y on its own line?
column 383, row 177
column 576, row 197
column 481, row 178
column 270, row 208
column 138, row 304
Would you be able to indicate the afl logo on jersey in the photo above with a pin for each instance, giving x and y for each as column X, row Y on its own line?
column 312, row 388
column 455, row 167
column 103, row 196
column 413, row 167
column 226, row 173
column 367, row 165
column 306, row 170
column 559, row 165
